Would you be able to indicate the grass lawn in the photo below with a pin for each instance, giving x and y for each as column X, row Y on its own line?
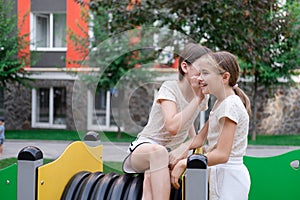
column 280, row 140
column 107, row 166
column 37, row 134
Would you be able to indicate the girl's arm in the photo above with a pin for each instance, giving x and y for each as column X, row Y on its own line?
column 219, row 155
column 192, row 132
column 224, row 145
column 200, row 138
column 173, row 120
column 182, row 151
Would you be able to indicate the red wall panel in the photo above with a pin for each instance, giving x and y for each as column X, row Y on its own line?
column 77, row 23
column 24, row 30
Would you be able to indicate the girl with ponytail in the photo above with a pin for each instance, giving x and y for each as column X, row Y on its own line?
column 225, row 133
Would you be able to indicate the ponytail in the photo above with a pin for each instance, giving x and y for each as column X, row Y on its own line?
column 238, row 91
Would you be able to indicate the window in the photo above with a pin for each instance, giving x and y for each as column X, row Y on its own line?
column 100, row 112
column 99, row 115
column 48, row 31
column 60, row 105
column 49, row 107
column 43, row 102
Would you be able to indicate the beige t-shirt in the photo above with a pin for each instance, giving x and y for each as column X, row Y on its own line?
column 233, row 108
column 155, row 128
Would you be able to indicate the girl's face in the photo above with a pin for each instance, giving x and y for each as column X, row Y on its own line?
column 210, row 76
column 192, row 74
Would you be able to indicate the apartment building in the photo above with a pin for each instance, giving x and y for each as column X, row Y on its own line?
column 50, row 102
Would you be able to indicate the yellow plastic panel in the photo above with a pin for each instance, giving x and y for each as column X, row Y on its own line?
column 54, row 176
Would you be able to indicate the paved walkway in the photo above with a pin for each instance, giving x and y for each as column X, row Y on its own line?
column 115, row 151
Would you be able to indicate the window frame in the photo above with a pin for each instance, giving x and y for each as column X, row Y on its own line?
column 50, row 124
column 91, row 112
column 50, row 32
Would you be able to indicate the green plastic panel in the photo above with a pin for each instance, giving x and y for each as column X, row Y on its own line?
column 8, row 182
column 274, row 177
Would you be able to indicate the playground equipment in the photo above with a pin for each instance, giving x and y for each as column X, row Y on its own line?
column 196, row 178
column 78, row 174
column 274, row 177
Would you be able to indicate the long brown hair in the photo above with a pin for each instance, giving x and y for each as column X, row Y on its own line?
column 190, row 54
column 228, row 62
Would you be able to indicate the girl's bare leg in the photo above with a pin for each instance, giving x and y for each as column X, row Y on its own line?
column 154, row 158
column 147, row 189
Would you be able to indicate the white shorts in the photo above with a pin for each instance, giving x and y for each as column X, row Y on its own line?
column 127, row 168
column 229, row 181
column 140, row 140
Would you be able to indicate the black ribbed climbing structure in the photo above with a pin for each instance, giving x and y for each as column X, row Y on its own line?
column 112, row 186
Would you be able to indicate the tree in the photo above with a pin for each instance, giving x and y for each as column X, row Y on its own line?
column 12, row 63
column 116, row 58
column 258, row 32
column 263, row 34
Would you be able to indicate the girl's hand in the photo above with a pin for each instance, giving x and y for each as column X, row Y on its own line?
column 196, row 82
column 178, row 154
column 177, row 172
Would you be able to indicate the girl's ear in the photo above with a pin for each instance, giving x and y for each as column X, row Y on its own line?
column 226, row 77
column 184, row 66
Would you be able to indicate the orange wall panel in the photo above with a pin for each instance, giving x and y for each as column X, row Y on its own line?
column 77, row 24
column 24, row 30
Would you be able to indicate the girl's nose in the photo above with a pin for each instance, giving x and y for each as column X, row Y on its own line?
column 200, row 77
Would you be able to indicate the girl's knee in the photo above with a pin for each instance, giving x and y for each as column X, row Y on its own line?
column 159, row 158
column 159, row 150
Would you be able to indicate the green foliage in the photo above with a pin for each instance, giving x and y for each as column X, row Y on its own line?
column 264, row 34
column 254, row 31
column 112, row 54
column 11, row 67
column 290, row 44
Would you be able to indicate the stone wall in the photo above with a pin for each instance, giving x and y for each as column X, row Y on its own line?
column 17, row 107
column 278, row 111
column 79, row 103
column 136, row 112
column 17, row 104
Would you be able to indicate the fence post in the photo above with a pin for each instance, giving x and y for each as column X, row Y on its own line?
column 92, row 139
column 29, row 158
column 196, row 178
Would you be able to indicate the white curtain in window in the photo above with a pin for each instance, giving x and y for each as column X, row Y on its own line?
column 42, row 30
column 59, row 30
